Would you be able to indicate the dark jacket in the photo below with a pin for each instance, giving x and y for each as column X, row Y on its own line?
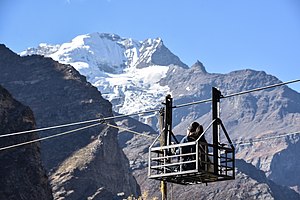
column 192, row 149
column 188, row 149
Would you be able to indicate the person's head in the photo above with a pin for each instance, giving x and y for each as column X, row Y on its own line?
column 193, row 126
column 195, row 129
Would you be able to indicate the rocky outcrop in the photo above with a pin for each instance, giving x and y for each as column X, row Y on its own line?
column 285, row 165
column 58, row 94
column 102, row 158
column 21, row 171
column 154, row 52
column 198, row 67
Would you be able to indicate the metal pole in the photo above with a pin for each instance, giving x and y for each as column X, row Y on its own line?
column 166, row 125
column 216, row 95
column 168, row 119
column 162, row 126
column 163, row 186
column 163, row 189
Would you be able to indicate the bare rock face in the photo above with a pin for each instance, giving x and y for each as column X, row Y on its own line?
column 21, row 171
column 285, row 165
column 70, row 182
column 58, row 94
column 154, row 52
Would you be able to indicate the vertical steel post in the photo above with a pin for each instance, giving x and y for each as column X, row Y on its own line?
column 163, row 189
column 163, row 184
column 168, row 118
column 166, row 137
column 216, row 95
column 162, row 127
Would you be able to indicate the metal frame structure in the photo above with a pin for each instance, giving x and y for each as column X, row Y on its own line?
column 205, row 163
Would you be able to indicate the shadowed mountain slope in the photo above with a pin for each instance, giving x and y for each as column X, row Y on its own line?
column 58, row 94
column 21, row 171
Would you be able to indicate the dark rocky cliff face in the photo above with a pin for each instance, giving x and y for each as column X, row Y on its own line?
column 58, row 94
column 285, row 166
column 21, row 171
column 101, row 161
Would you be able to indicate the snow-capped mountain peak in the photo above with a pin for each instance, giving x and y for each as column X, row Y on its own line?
column 42, row 49
column 93, row 52
column 108, row 53
column 125, row 70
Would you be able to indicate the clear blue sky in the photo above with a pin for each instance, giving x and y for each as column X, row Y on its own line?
column 225, row 35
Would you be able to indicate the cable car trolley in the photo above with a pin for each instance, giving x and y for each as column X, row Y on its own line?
column 203, row 162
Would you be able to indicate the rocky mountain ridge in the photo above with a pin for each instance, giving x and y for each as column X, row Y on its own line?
column 58, row 94
column 22, row 174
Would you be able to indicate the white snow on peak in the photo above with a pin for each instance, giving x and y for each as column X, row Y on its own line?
column 98, row 51
column 132, row 52
column 43, row 49
column 109, row 63
column 148, row 48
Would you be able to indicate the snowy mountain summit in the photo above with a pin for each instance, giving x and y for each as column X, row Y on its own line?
column 126, row 71
column 108, row 53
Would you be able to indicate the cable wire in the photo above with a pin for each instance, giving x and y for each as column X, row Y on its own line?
column 238, row 93
column 131, row 131
column 48, row 137
column 132, row 114
column 145, row 112
column 49, row 128
column 261, row 88
column 192, row 103
column 76, row 123
column 264, row 139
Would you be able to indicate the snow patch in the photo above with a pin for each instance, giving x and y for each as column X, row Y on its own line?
column 139, row 88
